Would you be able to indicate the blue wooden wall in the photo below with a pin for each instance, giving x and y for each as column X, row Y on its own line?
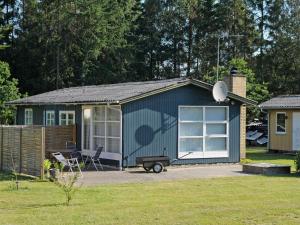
column 150, row 125
column 39, row 111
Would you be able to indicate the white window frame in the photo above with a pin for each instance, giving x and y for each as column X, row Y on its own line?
column 285, row 127
column 204, row 153
column 67, row 117
column 46, row 117
column 104, row 154
column 26, row 119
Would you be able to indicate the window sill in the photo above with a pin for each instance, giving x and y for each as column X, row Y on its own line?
column 203, row 155
column 280, row 133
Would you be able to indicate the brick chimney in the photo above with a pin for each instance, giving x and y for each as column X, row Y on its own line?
column 236, row 83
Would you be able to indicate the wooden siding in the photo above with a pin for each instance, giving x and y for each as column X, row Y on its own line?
column 57, row 136
column 39, row 112
column 282, row 142
column 150, row 125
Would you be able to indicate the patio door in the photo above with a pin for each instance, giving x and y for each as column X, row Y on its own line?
column 101, row 126
column 296, row 131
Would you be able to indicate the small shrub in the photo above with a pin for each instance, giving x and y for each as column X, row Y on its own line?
column 66, row 182
column 47, row 166
column 58, row 169
column 13, row 185
column 297, row 162
column 246, row 161
column 58, row 166
column 67, row 185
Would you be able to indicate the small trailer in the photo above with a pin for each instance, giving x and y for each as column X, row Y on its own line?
column 157, row 163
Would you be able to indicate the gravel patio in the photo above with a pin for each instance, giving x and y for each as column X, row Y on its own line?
column 138, row 175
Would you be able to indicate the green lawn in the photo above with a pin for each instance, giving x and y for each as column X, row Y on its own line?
column 261, row 155
column 238, row 200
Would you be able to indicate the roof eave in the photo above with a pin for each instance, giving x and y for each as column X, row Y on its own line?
column 157, row 91
column 278, row 107
column 195, row 82
column 62, row 103
column 231, row 95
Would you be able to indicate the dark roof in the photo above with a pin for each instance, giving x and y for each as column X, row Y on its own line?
column 281, row 102
column 114, row 93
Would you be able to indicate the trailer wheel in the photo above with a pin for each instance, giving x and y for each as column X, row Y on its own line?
column 157, row 167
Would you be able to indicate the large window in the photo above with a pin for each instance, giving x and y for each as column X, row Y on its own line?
column 102, row 127
column 50, row 118
column 66, row 117
column 28, row 120
column 203, row 131
column 280, row 123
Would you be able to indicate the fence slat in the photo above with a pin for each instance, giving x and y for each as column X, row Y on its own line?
column 22, row 148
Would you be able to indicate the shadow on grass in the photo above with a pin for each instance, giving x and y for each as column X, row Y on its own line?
column 8, row 176
column 262, row 155
column 46, row 205
column 291, row 175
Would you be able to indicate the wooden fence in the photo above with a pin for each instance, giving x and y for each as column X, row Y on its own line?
column 22, row 148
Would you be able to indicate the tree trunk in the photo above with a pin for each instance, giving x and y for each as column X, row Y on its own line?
column 190, row 43
column 261, row 28
column 175, row 58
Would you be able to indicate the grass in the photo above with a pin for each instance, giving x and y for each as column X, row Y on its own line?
column 231, row 200
column 261, row 155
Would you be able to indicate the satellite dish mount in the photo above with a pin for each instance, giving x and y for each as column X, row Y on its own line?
column 220, row 91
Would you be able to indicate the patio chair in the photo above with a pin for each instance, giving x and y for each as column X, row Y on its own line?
column 95, row 158
column 75, row 153
column 70, row 163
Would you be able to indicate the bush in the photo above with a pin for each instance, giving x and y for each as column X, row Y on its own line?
column 47, row 167
column 67, row 185
column 297, row 162
column 246, row 161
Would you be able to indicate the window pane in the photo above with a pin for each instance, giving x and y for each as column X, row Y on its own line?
column 99, row 142
column 50, row 120
column 215, row 144
column 212, row 129
column 63, row 122
column 70, row 121
column 63, row 116
column 191, row 129
column 191, row 145
column 113, row 129
column 71, row 116
column 281, row 122
column 99, row 128
column 215, row 113
column 113, row 145
column 28, row 117
column 191, row 114
column 113, row 114
column 99, row 113
column 86, row 128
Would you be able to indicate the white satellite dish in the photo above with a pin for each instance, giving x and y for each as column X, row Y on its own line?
column 220, row 91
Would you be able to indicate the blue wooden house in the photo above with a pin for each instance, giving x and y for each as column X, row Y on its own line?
column 176, row 117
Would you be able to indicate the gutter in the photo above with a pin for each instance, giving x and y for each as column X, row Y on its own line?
column 62, row 103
